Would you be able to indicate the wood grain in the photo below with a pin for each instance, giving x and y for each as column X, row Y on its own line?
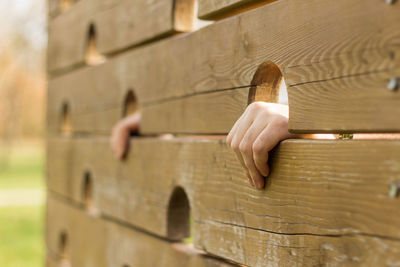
column 119, row 25
column 363, row 104
column 336, row 68
column 262, row 248
column 212, row 10
column 316, row 188
column 93, row 241
column 95, row 101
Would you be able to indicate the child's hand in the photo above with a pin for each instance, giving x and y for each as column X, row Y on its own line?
column 260, row 128
column 121, row 132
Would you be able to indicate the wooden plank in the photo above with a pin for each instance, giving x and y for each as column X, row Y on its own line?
column 93, row 241
column 96, row 104
column 262, row 248
column 228, row 52
column 118, row 25
column 94, row 96
column 68, row 33
column 315, row 107
column 211, row 10
column 143, row 202
column 315, row 188
column 212, row 113
column 350, row 55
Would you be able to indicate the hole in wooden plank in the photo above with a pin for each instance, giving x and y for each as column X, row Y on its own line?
column 189, row 239
column 88, row 193
column 130, row 104
column 65, row 127
column 63, row 245
column 268, row 84
column 184, row 14
column 178, row 220
column 93, row 57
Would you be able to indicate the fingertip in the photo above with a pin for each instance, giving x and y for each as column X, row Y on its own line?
column 260, row 183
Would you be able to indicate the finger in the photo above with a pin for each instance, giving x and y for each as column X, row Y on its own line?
column 132, row 122
column 240, row 158
column 249, row 138
column 264, row 143
column 119, row 141
column 114, row 141
column 233, row 130
column 250, row 180
column 245, row 149
column 231, row 133
column 236, row 147
column 244, row 124
column 256, row 176
column 236, row 142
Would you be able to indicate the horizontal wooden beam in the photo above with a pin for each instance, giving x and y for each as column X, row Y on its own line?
column 259, row 248
column 362, row 103
column 337, row 69
column 80, row 239
column 328, row 189
column 91, row 28
column 211, row 10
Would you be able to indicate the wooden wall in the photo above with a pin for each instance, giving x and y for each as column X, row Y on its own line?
column 326, row 202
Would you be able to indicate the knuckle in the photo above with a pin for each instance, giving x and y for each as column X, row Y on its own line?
column 255, row 106
column 244, row 147
column 258, row 147
column 280, row 122
column 235, row 146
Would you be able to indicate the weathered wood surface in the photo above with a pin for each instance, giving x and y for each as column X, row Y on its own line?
column 316, row 189
column 317, row 107
column 336, row 68
column 262, row 248
column 127, row 190
column 94, row 241
column 96, row 97
column 210, row 9
column 118, row 24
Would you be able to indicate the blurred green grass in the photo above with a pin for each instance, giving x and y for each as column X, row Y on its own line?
column 22, row 167
column 21, row 226
column 21, row 235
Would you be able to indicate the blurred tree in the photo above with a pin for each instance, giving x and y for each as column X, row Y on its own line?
column 23, row 42
column 22, row 68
